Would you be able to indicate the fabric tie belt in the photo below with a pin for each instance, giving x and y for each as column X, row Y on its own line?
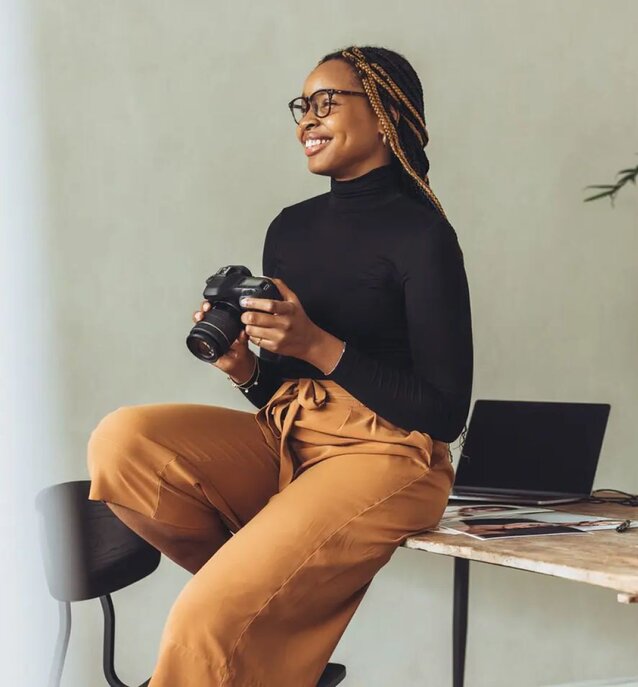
column 295, row 395
column 281, row 412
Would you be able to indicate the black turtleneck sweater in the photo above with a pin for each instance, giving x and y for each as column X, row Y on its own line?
column 383, row 272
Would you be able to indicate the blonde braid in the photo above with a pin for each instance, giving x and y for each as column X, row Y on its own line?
column 400, row 94
column 395, row 92
column 369, row 79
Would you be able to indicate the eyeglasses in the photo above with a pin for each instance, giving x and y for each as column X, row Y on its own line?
column 320, row 101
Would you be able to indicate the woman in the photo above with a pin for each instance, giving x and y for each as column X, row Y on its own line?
column 364, row 377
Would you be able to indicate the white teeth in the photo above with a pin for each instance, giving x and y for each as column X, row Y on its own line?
column 315, row 141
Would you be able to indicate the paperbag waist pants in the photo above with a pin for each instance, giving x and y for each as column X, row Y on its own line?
column 319, row 491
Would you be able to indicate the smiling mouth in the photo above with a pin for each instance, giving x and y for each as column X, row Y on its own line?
column 313, row 146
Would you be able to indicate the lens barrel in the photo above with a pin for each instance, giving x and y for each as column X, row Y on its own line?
column 213, row 335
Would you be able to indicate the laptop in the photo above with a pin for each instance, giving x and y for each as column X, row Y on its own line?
column 530, row 452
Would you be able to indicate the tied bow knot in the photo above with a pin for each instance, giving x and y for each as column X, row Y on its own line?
column 281, row 411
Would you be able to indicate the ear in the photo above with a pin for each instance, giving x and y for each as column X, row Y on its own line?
column 396, row 116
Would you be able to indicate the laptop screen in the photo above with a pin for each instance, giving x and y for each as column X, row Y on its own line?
column 533, row 445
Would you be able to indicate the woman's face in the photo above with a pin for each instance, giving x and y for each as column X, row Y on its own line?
column 355, row 145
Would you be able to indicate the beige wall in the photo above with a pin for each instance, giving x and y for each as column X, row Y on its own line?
column 168, row 148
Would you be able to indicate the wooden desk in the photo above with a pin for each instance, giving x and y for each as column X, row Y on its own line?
column 605, row 558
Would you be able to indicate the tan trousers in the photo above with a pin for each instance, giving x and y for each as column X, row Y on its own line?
column 319, row 491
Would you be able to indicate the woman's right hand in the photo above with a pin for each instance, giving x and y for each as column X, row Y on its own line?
column 238, row 361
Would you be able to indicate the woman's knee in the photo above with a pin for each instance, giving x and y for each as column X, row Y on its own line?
column 118, row 436
column 126, row 421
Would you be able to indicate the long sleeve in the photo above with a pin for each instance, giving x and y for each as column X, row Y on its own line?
column 434, row 396
column 270, row 377
column 384, row 272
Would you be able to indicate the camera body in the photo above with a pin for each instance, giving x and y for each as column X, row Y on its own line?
column 214, row 334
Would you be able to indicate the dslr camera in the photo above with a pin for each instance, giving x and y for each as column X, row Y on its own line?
column 214, row 334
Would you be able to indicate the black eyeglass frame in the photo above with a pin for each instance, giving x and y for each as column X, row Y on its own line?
column 307, row 99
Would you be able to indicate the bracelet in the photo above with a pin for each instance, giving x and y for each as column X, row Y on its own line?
column 244, row 386
column 338, row 361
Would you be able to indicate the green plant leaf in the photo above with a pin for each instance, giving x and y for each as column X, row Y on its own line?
column 599, row 195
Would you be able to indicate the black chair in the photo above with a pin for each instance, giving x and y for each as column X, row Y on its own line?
column 89, row 553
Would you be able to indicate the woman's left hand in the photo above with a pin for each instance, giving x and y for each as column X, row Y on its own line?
column 281, row 326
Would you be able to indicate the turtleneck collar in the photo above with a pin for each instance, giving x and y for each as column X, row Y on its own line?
column 366, row 191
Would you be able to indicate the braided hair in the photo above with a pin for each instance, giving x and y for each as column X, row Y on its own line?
column 389, row 80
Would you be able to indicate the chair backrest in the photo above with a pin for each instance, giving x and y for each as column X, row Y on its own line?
column 87, row 551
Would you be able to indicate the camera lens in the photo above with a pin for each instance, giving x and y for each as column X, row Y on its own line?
column 213, row 335
column 203, row 349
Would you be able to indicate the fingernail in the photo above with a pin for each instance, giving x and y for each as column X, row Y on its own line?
column 244, row 302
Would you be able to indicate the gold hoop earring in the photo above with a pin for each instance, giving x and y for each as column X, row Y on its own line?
column 385, row 140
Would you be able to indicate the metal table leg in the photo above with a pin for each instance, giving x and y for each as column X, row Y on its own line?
column 459, row 620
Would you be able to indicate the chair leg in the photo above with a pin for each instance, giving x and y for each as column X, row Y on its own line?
column 61, row 644
column 332, row 675
column 109, row 642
